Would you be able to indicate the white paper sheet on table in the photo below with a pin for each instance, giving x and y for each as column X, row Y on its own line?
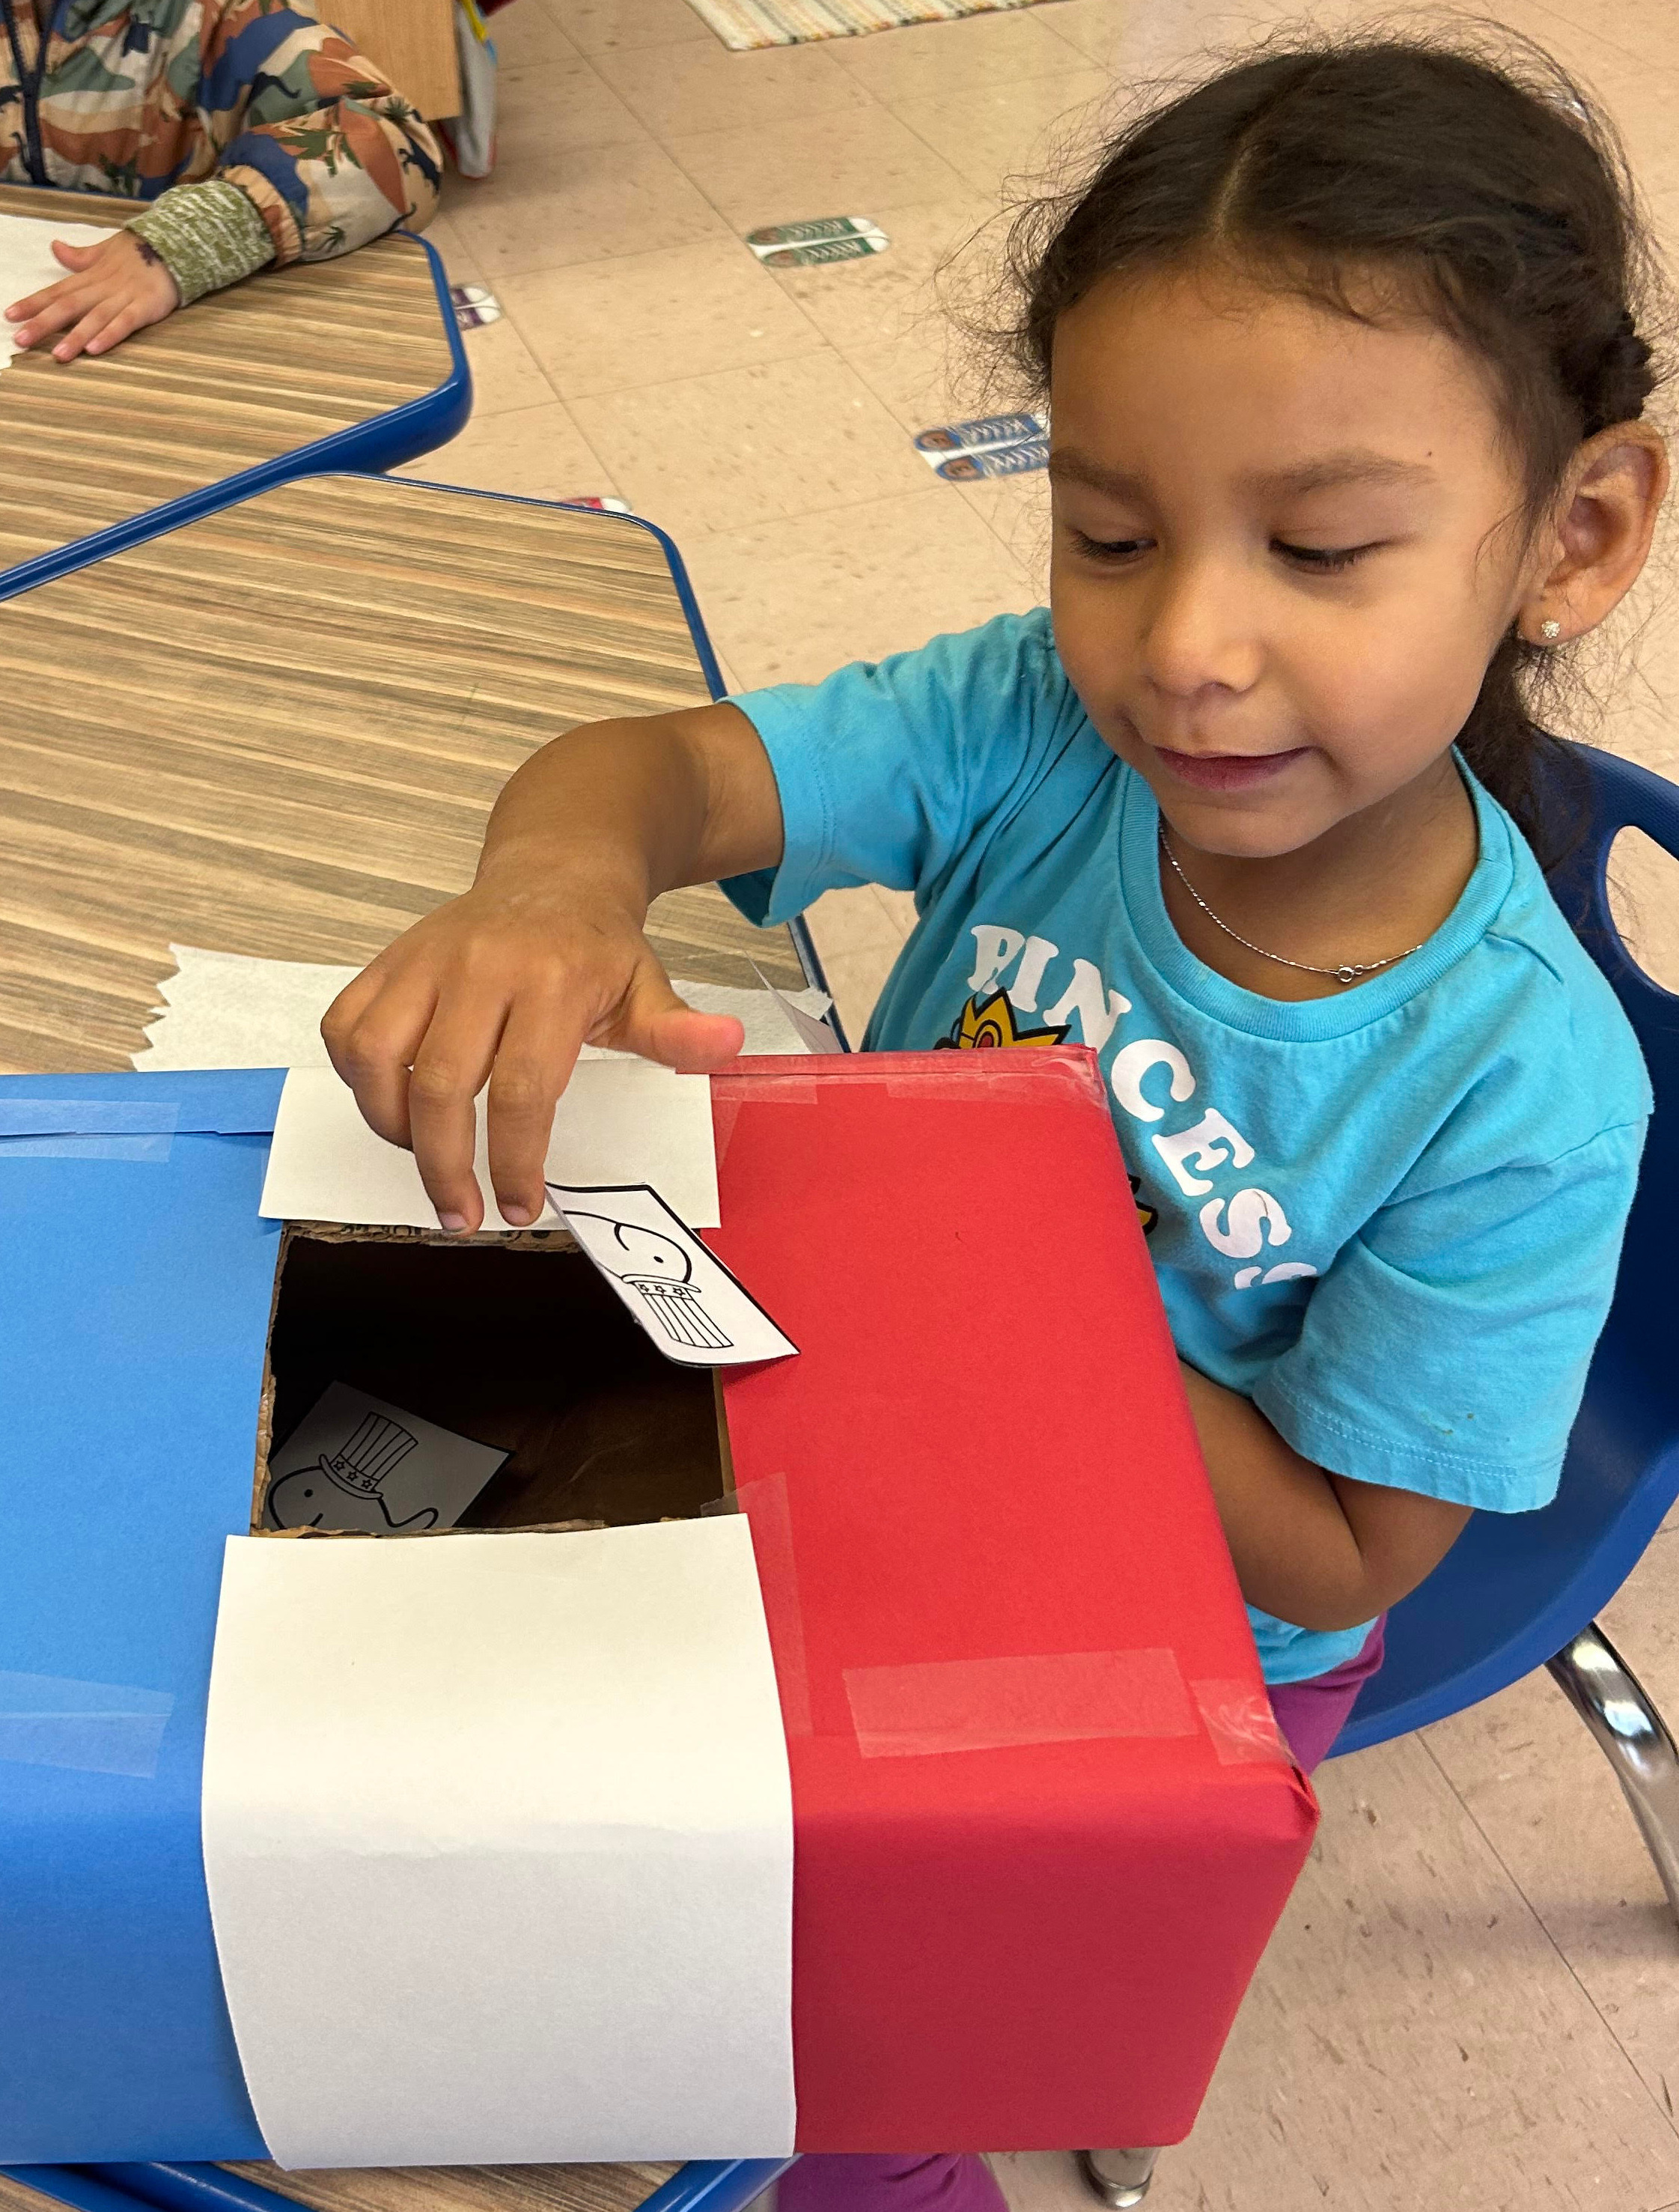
column 498, row 1835
column 27, row 263
column 620, row 1120
column 227, row 1010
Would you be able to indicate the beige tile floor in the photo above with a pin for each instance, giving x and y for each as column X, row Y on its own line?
column 1474, row 1999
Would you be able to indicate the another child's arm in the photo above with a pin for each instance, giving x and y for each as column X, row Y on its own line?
column 1317, row 1549
column 546, row 951
column 316, row 154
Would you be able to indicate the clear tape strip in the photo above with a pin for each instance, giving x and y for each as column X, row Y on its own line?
column 93, row 1728
column 993, row 1705
column 769, row 1516
column 1241, row 1724
column 157, row 1149
column 88, row 1117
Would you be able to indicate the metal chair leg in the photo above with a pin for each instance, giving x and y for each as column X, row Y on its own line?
column 1119, row 2178
column 1632, row 1736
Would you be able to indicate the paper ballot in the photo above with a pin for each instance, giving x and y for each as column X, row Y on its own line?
column 682, row 1294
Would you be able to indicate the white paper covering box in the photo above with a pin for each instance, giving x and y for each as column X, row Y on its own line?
column 512, row 1815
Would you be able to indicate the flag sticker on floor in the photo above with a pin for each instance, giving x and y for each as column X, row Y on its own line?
column 989, row 445
column 810, row 245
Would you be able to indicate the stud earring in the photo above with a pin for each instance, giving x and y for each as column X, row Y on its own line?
column 1550, row 631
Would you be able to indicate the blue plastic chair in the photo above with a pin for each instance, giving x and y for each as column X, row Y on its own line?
column 1519, row 1591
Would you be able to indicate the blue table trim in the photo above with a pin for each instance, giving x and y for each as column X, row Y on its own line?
column 706, row 2185
column 383, row 441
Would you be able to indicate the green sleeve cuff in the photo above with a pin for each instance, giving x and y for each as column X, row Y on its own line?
column 206, row 236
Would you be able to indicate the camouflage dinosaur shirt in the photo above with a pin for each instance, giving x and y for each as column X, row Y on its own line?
column 142, row 98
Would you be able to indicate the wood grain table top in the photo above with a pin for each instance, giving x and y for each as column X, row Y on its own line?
column 238, row 378
column 279, row 731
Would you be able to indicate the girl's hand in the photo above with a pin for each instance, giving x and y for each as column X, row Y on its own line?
column 117, row 288
column 503, row 985
column 546, row 954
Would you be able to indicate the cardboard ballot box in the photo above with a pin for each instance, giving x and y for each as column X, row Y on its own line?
column 891, row 1772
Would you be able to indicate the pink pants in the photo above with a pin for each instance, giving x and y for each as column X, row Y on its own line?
column 1311, row 1716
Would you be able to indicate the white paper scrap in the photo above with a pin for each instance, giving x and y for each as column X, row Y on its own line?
column 812, row 1031
column 694, row 1310
column 27, row 264
column 227, row 1010
column 354, row 1463
column 619, row 1121
column 498, row 1836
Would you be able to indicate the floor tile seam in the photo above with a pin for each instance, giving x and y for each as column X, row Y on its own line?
column 586, row 63
column 824, row 346
column 537, row 363
column 1593, row 28
column 668, row 149
column 808, row 115
column 803, row 514
column 821, row 343
column 876, row 212
column 1670, row 2120
column 1075, row 64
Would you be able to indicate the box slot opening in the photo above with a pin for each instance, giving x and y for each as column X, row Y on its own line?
column 519, row 1347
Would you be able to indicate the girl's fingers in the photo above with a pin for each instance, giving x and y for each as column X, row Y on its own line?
column 449, row 1070
column 533, row 1064
column 78, row 256
column 373, row 1032
column 692, row 1043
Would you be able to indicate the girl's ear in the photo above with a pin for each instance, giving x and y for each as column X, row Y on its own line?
column 1600, row 540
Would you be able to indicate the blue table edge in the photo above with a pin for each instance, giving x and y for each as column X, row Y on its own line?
column 710, row 2184
column 382, row 441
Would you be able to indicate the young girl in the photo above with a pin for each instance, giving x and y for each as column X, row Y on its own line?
column 1346, row 392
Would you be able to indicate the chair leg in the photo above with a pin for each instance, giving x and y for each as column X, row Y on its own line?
column 1632, row 1735
column 1119, row 2178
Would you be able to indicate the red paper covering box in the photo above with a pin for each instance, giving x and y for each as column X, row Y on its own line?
column 1043, row 1824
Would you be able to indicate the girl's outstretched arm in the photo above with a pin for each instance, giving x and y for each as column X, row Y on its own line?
column 546, row 952
column 1317, row 1549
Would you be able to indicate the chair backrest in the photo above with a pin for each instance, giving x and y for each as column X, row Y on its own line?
column 1515, row 1587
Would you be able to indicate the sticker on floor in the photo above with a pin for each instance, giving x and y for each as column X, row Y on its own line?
column 990, row 446
column 474, row 307
column 810, row 245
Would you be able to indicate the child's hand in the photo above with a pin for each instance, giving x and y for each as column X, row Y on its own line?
column 504, row 984
column 117, row 288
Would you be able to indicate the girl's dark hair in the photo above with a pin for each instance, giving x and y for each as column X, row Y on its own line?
column 1492, row 195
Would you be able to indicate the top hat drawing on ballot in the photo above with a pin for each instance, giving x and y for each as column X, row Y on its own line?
column 362, row 1461
column 357, row 1469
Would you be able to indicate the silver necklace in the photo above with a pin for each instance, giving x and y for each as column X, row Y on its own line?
column 1348, row 972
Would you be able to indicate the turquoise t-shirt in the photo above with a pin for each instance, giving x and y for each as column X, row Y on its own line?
column 1391, row 1217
